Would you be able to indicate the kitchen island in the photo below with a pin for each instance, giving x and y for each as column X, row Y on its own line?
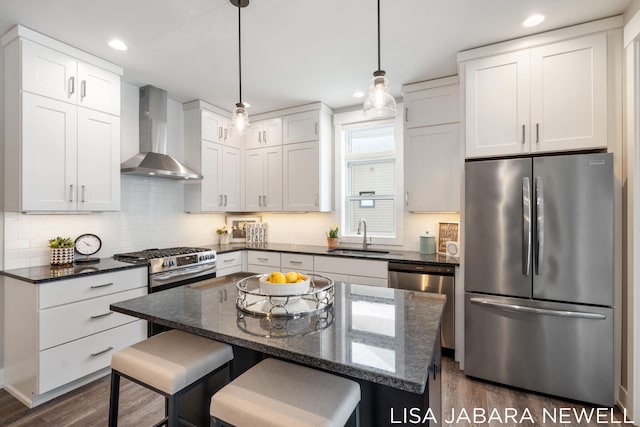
column 386, row 339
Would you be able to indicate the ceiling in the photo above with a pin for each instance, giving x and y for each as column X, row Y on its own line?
column 294, row 51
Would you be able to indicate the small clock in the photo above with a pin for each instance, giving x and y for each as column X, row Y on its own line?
column 453, row 249
column 87, row 245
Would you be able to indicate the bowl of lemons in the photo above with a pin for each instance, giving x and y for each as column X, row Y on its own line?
column 284, row 285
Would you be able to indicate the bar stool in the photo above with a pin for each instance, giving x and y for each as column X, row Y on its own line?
column 170, row 364
column 276, row 393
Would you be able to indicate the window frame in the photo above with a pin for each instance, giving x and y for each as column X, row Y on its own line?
column 344, row 121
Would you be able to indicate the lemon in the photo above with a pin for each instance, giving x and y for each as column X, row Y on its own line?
column 301, row 277
column 277, row 277
column 292, row 277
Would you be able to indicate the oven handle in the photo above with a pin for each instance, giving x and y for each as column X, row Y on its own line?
column 168, row 276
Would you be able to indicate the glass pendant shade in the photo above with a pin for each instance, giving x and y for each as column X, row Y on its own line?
column 240, row 118
column 380, row 103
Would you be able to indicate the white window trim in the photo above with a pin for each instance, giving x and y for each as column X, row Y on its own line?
column 349, row 119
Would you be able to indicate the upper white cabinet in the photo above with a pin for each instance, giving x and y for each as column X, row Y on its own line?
column 62, row 127
column 432, row 156
column 551, row 96
column 301, row 127
column 206, row 122
column 263, row 179
column 263, row 133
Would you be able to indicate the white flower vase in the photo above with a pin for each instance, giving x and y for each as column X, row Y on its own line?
column 225, row 238
column 61, row 256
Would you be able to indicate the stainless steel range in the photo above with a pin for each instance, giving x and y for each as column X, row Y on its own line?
column 173, row 267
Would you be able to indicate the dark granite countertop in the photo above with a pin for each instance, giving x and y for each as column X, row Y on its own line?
column 48, row 273
column 393, row 255
column 381, row 335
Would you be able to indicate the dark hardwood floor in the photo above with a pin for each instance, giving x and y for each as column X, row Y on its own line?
column 88, row 405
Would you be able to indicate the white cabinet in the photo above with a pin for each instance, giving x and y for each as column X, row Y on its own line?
column 206, row 122
column 219, row 189
column 229, row 263
column 433, row 168
column 301, row 180
column 62, row 128
column 263, row 133
column 300, row 263
column 547, row 98
column 263, row 179
column 301, row 127
column 262, row 262
column 66, row 333
column 433, row 161
column 353, row 271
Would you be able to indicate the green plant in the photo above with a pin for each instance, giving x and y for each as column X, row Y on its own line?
column 222, row 230
column 60, row 242
column 333, row 232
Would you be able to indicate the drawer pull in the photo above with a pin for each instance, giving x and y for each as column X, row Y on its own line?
column 102, row 286
column 97, row 316
column 294, row 262
column 102, row 352
column 229, row 260
column 263, row 259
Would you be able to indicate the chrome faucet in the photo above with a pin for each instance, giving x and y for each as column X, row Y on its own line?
column 364, row 240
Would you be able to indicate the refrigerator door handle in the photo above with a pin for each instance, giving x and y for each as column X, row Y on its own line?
column 526, row 226
column 533, row 310
column 539, row 224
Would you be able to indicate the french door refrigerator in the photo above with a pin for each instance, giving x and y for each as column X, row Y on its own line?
column 539, row 274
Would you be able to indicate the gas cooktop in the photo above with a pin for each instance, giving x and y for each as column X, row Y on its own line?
column 155, row 253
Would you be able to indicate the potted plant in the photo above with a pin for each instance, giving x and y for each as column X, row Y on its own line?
column 332, row 237
column 224, row 234
column 61, row 251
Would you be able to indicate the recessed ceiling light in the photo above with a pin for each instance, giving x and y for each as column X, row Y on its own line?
column 117, row 44
column 533, row 20
column 358, row 94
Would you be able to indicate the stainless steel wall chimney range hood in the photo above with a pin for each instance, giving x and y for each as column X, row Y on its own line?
column 153, row 160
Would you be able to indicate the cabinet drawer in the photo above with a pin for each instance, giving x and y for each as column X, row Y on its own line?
column 72, row 321
column 264, row 258
column 71, row 290
column 261, row 269
column 68, row 362
column 296, row 262
column 351, row 267
column 229, row 259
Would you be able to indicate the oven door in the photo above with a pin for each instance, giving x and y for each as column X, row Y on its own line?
column 181, row 276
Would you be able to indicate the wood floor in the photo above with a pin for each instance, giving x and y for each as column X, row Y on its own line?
column 88, row 406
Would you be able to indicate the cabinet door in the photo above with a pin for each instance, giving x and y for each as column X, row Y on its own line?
column 253, row 179
column 49, row 147
column 231, row 179
column 211, row 195
column 272, row 132
column 99, row 89
column 497, row 105
column 301, row 177
column 229, row 135
column 432, row 106
column 301, row 127
column 49, row 73
column 253, row 135
column 569, row 94
column 433, row 168
column 272, row 200
column 211, row 127
column 98, row 161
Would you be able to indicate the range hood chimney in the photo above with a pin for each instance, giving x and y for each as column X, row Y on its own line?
column 153, row 160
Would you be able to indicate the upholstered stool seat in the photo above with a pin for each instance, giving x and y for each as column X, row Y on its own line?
column 170, row 363
column 276, row 393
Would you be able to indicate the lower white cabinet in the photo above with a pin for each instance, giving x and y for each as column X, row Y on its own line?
column 61, row 333
column 262, row 262
column 229, row 263
column 353, row 271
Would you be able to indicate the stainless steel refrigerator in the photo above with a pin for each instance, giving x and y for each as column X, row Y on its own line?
column 539, row 274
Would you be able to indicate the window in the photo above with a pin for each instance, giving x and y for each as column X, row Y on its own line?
column 369, row 171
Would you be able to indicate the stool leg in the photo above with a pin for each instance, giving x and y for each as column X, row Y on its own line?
column 172, row 411
column 114, row 399
column 358, row 415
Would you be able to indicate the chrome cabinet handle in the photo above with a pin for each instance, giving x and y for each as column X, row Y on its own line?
column 259, row 137
column 406, row 114
column 98, row 316
column 72, row 85
column 225, row 200
column 525, row 309
column 219, row 132
column 259, row 200
column 291, row 261
column 406, row 198
column 219, row 199
column 83, row 88
column 264, row 201
column 71, row 192
column 262, row 259
column 102, row 286
column 264, row 136
column 526, row 226
column 102, row 351
column 537, row 132
column 540, row 224
column 83, row 193
column 523, row 134
column 229, row 260
column 317, row 128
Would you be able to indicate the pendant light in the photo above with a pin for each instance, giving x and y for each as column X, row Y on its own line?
column 240, row 117
column 380, row 103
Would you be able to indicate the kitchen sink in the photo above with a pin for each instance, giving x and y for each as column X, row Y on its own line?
column 357, row 252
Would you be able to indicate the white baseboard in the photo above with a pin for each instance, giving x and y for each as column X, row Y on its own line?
column 625, row 404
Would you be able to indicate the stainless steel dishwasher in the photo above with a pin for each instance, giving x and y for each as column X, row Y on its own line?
column 437, row 279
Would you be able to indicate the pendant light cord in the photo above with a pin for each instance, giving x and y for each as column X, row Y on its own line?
column 378, row 34
column 239, row 54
